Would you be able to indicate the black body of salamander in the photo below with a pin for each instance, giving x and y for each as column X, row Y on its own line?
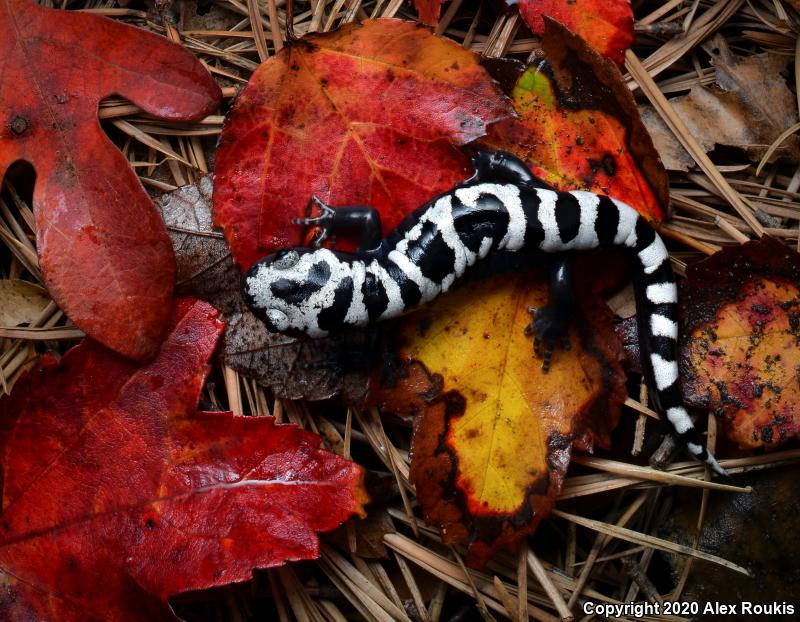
column 501, row 208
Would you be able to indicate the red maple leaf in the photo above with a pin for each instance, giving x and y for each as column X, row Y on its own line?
column 117, row 494
column 366, row 115
column 103, row 249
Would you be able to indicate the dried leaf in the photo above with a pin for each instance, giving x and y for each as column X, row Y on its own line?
column 21, row 302
column 365, row 115
column 369, row 534
column 312, row 369
column 578, row 126
column 493, row 440
column 749, row 108
column 672, row 153
column 203, row 263
column 606, row 25
column 117, row 494
column 741, row 357
column 104, row 254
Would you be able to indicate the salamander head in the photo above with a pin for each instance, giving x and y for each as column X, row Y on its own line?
column 291, row 288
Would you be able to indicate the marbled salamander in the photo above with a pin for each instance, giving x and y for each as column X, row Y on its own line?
column 502, row 207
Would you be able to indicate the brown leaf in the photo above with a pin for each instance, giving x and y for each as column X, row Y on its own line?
column 293, row 368
column 740, row 357
column 758, row 529
column 369, row 534
column 20, row 302
column 673, row 156
column 749, row 107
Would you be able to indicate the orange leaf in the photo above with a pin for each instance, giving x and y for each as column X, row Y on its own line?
column 493, row 442
column 579, row 127
column 428, row 11
column 741, row 356
column 606, row 25
column 365, row 115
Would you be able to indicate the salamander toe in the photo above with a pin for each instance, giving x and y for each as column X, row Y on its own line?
column 548, row 327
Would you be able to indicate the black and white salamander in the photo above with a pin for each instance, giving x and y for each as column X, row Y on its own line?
column 501, row 208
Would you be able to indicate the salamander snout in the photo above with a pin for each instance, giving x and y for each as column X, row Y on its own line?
column 273, row 284
column 286, row 290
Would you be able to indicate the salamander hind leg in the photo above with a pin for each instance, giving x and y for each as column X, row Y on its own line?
column 550, row 323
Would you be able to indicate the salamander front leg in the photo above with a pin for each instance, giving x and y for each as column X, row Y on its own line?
column 366, row 221
column 550, row 323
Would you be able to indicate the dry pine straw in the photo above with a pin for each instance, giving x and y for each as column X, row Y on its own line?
column 604, row 557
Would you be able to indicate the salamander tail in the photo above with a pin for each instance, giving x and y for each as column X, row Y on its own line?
column 711, row 461
column 702, row 454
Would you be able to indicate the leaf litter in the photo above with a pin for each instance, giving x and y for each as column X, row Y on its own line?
column 748, row 106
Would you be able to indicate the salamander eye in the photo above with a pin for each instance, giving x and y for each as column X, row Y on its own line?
column 285, row 259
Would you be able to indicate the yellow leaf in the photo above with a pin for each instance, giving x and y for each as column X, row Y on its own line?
column 492, row 445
